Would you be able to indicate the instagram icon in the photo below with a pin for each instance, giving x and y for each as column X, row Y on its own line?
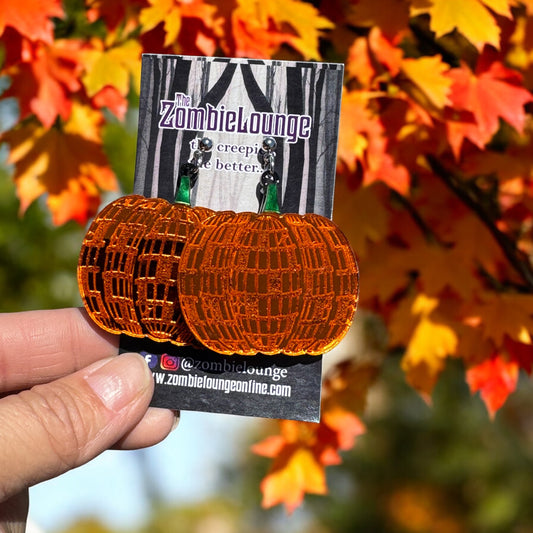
column 169, row 362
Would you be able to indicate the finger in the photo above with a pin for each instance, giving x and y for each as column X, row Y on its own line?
column 40, row 346
column 153, row 428
column 53, row 428
column 14, row 513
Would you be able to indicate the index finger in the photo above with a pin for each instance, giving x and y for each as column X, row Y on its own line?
column 40, row 346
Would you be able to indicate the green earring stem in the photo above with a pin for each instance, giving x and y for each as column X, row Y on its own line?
column 183, row 194
column 271, row 204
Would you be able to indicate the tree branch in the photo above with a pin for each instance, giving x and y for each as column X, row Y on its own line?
column 429, row 234
column 516, row 258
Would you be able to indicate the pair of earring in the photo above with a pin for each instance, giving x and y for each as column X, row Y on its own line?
column 189, row 171
column 233, row 282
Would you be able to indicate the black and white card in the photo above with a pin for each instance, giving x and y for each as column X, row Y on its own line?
column 236, row 103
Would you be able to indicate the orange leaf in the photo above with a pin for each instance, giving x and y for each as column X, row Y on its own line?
column 361, row 214
column 269, row 447
column 345, row 424
column 506, row 315
column 359, row 63
column 294, row 472
column 45, row 82
column 31, row 18
column 303, row 450
column 495, row 378
column 363, row 141
column 67, row 164
column 382, row 273
column 297, row 466
column 442, row 268
column 480, row 100
column 385, row 51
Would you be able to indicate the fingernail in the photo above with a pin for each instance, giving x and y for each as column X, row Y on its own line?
column 118, row 381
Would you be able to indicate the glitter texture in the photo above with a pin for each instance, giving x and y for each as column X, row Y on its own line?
column 268, row 283
column 128, row 267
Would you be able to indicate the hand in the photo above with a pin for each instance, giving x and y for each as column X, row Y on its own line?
column 76, row 398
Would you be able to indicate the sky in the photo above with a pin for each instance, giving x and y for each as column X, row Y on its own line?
column 185, row 467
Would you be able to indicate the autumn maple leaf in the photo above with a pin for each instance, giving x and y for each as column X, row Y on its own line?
column 112, row 67
column 429, row 340
column 296, row 469
column 68, row 164
column 472, row 18
column 372, row 215
column 44, row 82
column 172, row 14
column 31, row 18
column 302, row 450
column 260, row 27
column 505, row 315
column 479, row 100
column 363, row 142
column 428, row 74
column 495, row 378
column 113, row 12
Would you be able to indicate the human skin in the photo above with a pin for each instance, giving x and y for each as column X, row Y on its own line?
column 65, row 397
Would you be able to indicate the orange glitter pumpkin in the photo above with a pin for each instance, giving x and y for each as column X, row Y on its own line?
column 268, row 283
column 128, row 265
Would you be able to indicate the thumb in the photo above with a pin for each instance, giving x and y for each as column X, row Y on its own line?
column 52, row 428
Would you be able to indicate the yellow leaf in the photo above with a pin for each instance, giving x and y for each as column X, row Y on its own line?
column 171, row 13
column 113, row 67
column 428, row 74
column 416, row 323
column 406, row 316
column 471, row 18
column 426, row 353
column 151, row 16
column 502, row 7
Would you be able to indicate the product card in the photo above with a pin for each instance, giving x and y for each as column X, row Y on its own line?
column 236, row 103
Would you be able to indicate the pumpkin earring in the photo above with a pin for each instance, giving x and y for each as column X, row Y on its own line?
column 268, row 283
column 129, row 260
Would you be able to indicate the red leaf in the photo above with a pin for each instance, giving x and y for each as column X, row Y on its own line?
column 495, row 378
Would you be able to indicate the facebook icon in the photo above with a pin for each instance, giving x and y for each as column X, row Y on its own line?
column 151, row 359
